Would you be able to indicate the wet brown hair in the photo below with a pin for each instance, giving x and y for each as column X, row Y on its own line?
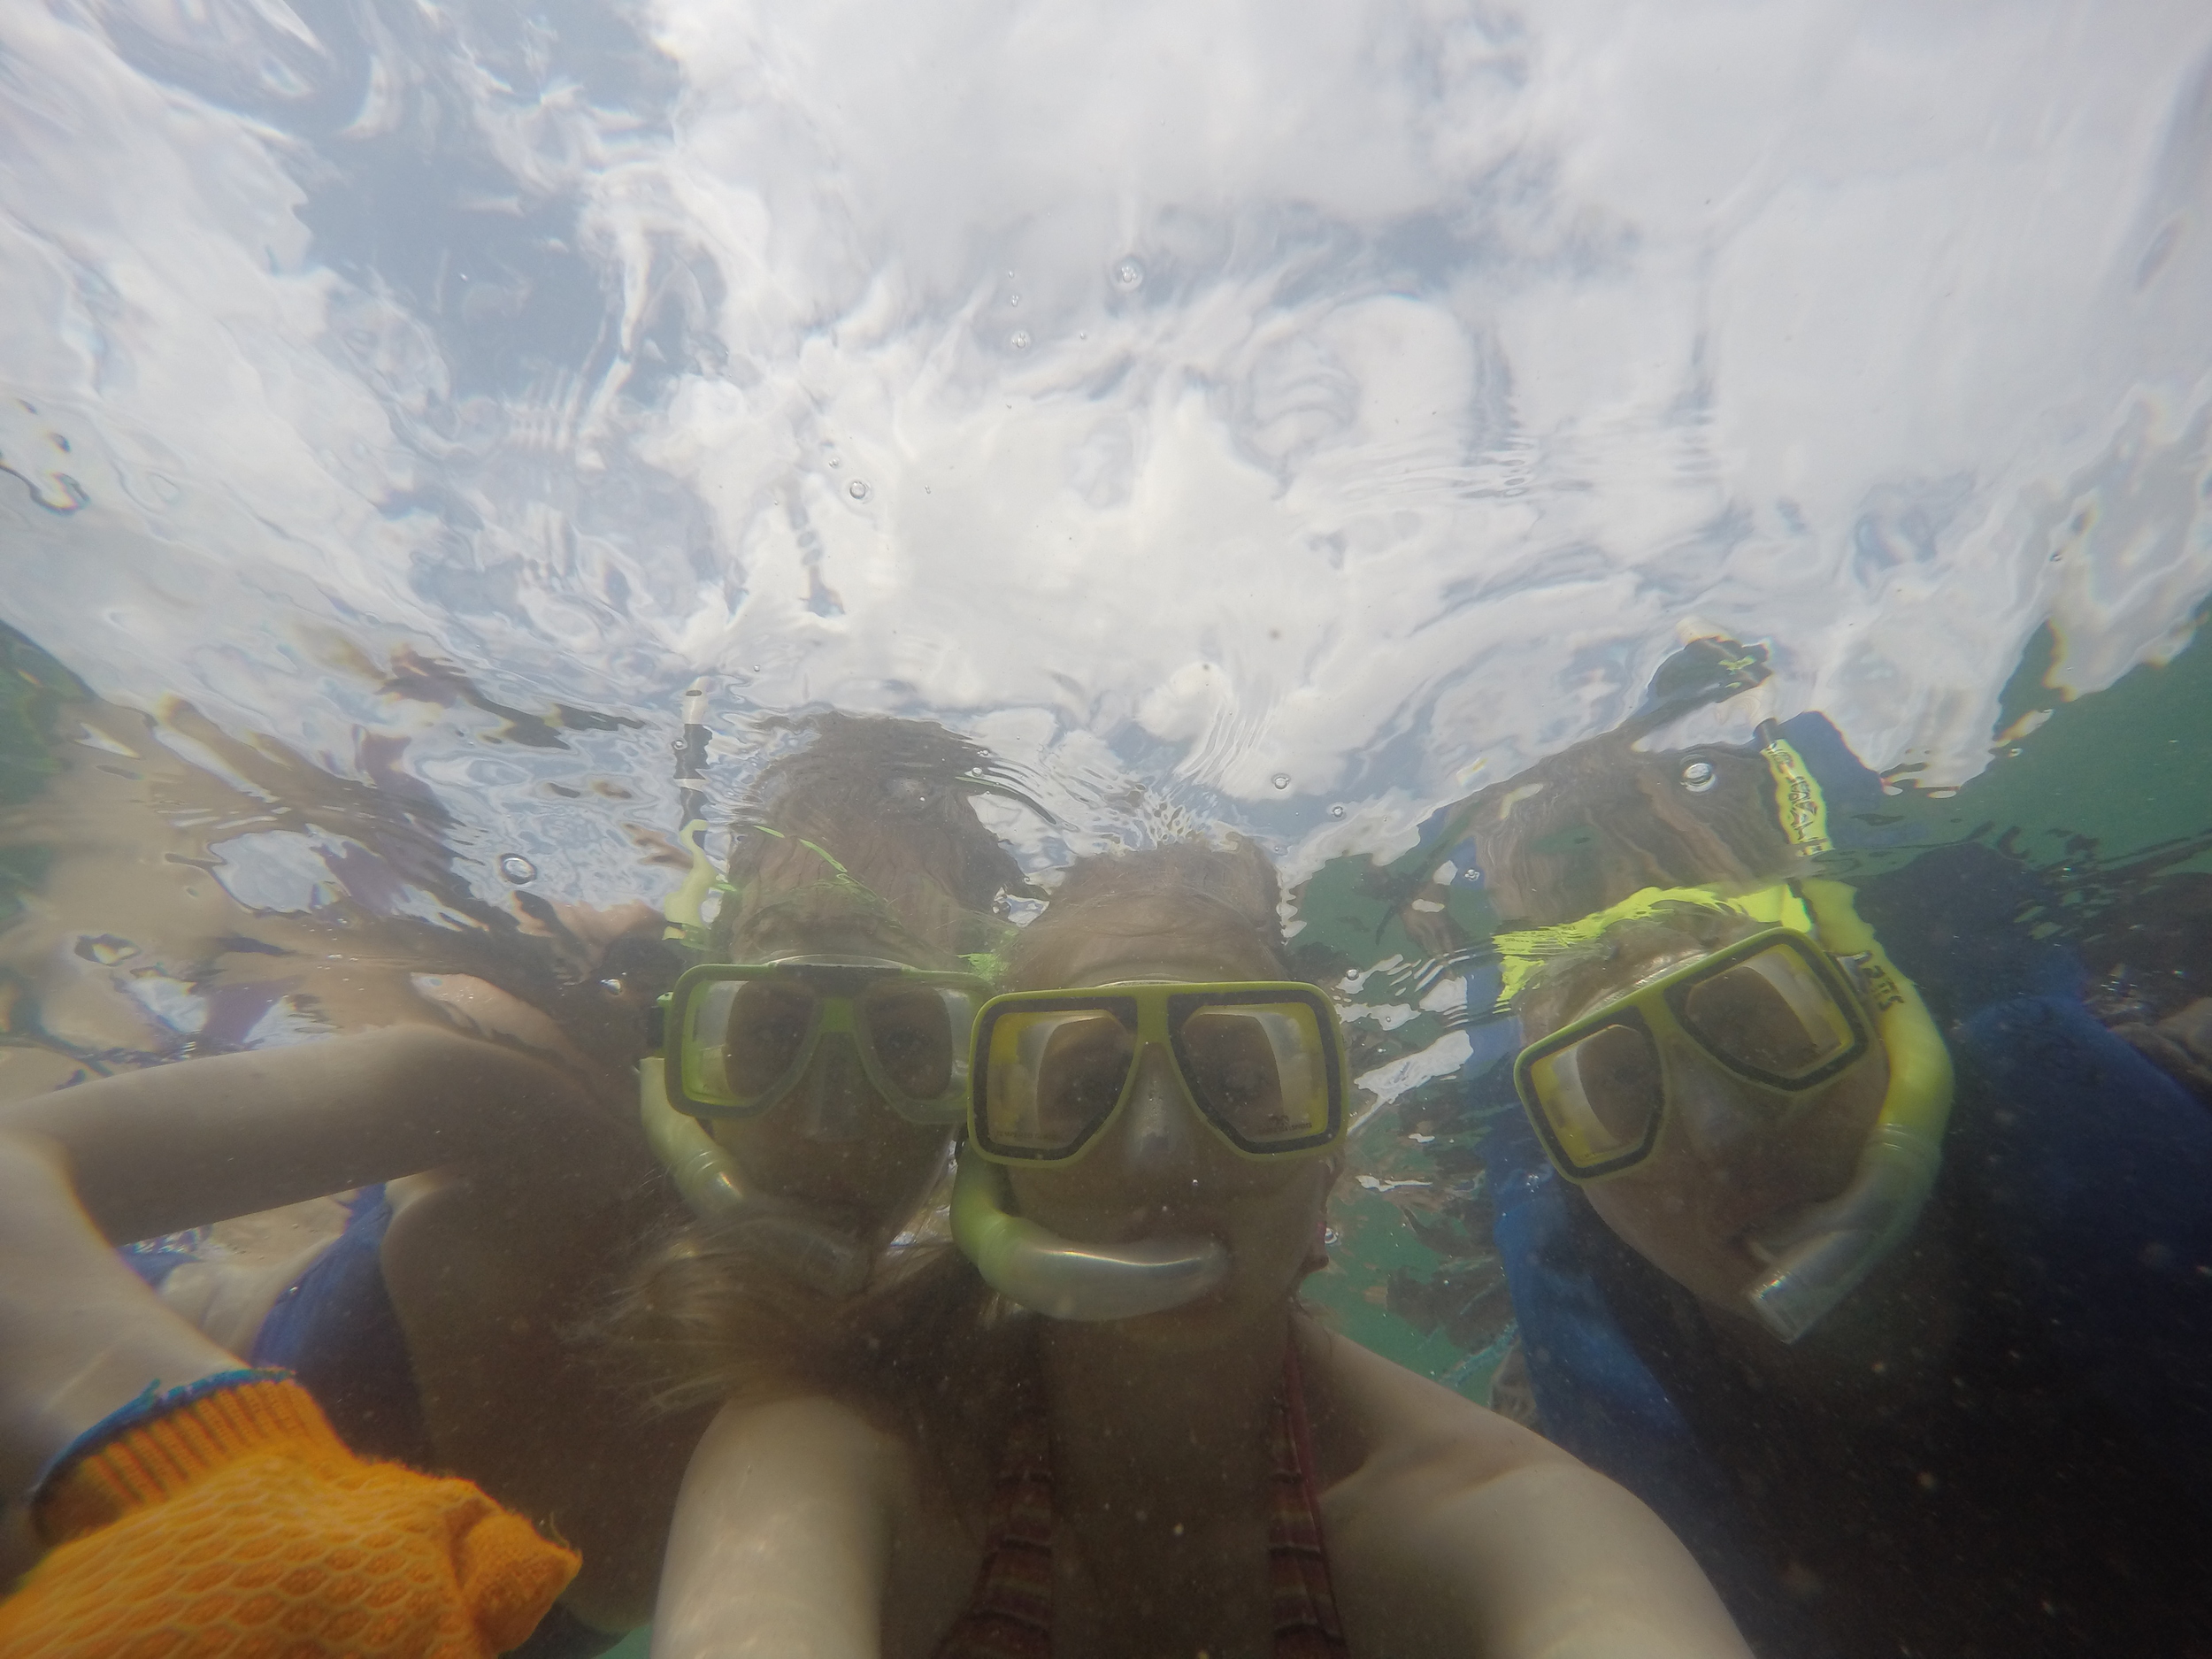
column 870, row 830
column 1219, row 905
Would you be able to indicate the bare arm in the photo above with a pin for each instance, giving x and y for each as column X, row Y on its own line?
column 1461, row 1534
column 176, row 1145
column 1551, row 1561
column 81, row 1333
column 782, row 1544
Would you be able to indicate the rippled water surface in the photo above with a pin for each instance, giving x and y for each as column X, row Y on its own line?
column 1284, row 418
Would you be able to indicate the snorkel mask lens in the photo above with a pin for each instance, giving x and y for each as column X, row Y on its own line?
column 1262, row 1062
column 1773, row 1009
column 742, row 1036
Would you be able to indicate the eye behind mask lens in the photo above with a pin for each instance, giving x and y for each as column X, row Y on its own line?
column 1602, row 1093
column 910, row 1032
column 1054, row 1076
column 1260, row 1071
column 755, row 1029
column 1771, row 1014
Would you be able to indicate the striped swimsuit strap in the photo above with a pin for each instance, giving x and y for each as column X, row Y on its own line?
column 1009, row 1616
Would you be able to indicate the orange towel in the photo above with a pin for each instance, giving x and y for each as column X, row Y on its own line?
column 237, row 1526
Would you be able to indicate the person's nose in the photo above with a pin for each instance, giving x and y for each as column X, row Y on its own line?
column 1718, row 1118
column 836, row 1098
column 1157, row 1130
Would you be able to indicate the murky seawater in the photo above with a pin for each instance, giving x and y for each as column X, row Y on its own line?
column 1311, row 425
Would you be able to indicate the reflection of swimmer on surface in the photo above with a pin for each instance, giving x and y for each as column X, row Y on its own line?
column 1599, row 820
column 143, row 1445
column 1982, row 1425
column 1174, row 1459
column 124, row 940
column 440, row 1328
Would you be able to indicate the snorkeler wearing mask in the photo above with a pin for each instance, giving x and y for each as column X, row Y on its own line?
column 501, row 1198
column 1913, row 1365
column 1115, row 1433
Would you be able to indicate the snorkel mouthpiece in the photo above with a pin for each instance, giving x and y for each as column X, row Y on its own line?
column 1065, row 1280
column 1822, row 1252
column 708, row 1178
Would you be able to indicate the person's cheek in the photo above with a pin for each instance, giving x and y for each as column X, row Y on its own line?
column 1660, row 1214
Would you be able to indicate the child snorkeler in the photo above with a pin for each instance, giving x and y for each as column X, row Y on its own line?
column 1174, row 1459
column 442, row 1330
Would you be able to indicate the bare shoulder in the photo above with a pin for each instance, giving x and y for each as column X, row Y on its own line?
column 1377, row 1427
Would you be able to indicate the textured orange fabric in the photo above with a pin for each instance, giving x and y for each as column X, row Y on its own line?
column 239, row 1526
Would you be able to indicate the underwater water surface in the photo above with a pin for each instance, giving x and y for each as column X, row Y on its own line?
column 1288, row 421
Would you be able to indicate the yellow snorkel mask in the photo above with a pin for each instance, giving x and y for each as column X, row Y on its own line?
column 1591, row 1092
column 1262, row 1062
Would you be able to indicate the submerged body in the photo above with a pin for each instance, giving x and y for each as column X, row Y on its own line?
column 2000, row 1443
column 460, row 1322
column 866, row 1526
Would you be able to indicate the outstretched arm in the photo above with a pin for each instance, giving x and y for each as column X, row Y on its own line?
column 1459, row 1532
column 176, row 1146
column 1551, row 1561
column 782, row 1544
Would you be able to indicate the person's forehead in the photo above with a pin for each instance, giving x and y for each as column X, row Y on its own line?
column 854, row 934
column 1653, row 958
column 1104, row 958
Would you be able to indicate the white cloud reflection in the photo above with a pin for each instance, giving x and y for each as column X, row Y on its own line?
column 1226, row 393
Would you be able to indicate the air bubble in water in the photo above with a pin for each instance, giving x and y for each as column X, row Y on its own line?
column 1282, row 780
column 518, row 869
column 1019, row 340
column 1698, row 777
column 1129, row 274
column 857, row 489
column 1013, row 299
column 1336, row 811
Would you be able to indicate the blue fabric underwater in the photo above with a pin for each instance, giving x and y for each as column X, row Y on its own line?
column 335, row 1330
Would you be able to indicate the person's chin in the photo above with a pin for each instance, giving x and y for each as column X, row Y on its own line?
column 1205, row 1321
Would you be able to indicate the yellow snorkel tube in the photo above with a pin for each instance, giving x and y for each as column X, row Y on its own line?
column 710, row 1181
column 1062, row 1279
column 1821, row 1252
column 1824, row 1252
